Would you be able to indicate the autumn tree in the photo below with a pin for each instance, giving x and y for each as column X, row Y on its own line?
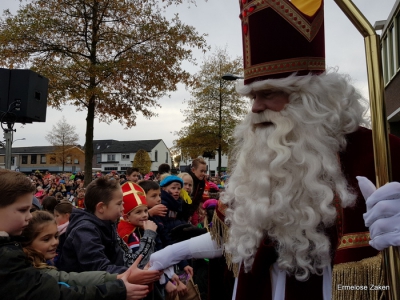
column 142, row 161
column 177, row 161
column 213, row 110
column 63, row 137
column 100, row 55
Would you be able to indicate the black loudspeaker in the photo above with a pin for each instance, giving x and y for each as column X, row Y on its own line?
column 29, row 89
column 4, row 85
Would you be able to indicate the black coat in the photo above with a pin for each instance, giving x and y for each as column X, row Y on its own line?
column 20, row 280
column 197, row 193
column 91, row 245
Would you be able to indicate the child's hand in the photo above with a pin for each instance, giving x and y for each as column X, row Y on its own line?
column 134, row 291
column 138, row 276
column 171, row 290
column 158, row 210
column 149, row 225
column 181, row 288
column 189, row 271
column 175, row 278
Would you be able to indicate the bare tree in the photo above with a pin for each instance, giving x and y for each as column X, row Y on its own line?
column 63, row 137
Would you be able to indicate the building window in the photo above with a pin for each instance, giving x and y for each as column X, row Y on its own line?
column 33, row 159
column 111, row 169
column 166, row 157
column 98, row 158
column 124, row 168
column 52, row 159
column 24, row 159
column 68, row 160
column 76, row 161
column 384, row 61
column 110, row 157
column 42, row 158
column 125, row 156
column 156, row 155
column 390, row 53
column 397, row 40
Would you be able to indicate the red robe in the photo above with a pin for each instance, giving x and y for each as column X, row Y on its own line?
column 349, row 237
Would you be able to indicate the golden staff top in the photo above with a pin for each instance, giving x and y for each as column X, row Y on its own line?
column 391, row 257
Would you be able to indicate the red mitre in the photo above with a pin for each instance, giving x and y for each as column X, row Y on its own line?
column 133, row 195
column 281, row 37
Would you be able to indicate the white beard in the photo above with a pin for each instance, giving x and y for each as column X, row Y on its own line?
column 283, row 184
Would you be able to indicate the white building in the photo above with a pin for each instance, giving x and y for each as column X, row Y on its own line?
column 119, row 155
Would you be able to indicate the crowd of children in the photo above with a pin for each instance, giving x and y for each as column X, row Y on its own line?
column 97, row 241
column 21, row 274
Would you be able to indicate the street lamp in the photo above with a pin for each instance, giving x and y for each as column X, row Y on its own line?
column 2, row 144
column 23, row 139
column 231, row 77
column 7, row 145
column 227, row 77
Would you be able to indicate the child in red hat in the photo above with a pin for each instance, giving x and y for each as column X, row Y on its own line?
column 138, row 232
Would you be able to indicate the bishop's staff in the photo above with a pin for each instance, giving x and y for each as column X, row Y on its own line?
column 391, row 257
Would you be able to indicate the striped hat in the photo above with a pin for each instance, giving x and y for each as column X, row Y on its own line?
column 134, row 196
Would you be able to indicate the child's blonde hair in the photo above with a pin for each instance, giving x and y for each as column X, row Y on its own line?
column 39, row 219
column 182, row 175
column 162, row 177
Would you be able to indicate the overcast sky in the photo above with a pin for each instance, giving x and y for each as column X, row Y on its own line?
column 219, row 19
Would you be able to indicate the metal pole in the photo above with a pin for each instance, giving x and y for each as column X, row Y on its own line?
column 391, row 257
column 220, row 128
column 8, row 137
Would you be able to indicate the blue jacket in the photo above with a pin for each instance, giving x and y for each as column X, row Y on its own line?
column 91, row 245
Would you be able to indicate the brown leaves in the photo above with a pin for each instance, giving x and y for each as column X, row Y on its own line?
column 113, row 58
column 104, row 48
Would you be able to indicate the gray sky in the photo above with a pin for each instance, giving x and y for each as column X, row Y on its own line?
column 220, row 20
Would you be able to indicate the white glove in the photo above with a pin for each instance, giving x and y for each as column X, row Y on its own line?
column 383, row 213
column 169, row 272
column 201, row 246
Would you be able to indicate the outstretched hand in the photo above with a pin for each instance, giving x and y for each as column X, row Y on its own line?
column 158, row 210
column 134, row 291
column 383, row 213
column 138, row 276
